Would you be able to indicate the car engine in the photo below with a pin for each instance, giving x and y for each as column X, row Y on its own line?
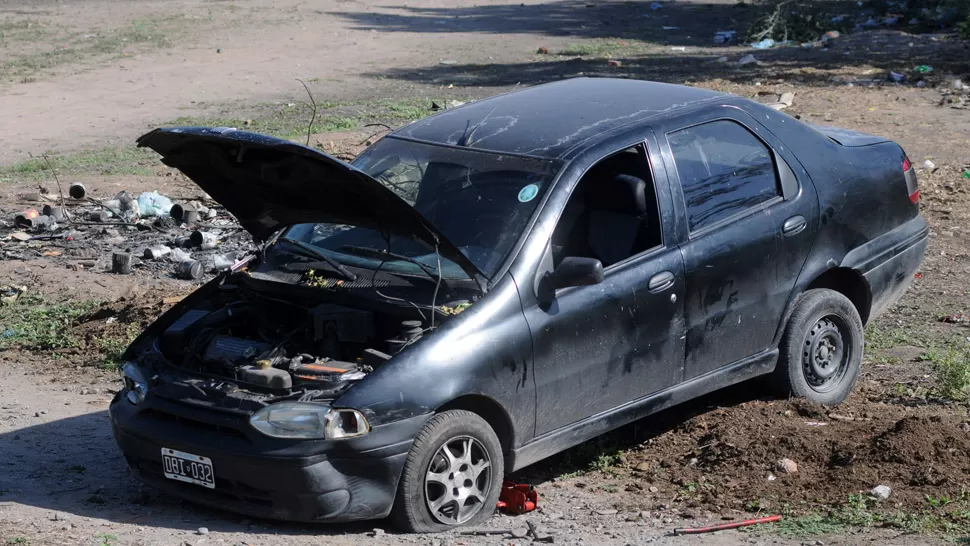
column 272, row 345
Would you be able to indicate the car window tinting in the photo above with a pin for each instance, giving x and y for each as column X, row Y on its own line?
column 724, row 169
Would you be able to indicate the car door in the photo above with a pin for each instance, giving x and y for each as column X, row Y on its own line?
column 600, row 346
column 747, row 225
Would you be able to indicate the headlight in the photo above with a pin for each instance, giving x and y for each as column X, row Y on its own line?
column 308, row 421
column 136, row 385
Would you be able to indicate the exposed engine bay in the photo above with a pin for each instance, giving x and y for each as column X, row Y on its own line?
column 270, row 345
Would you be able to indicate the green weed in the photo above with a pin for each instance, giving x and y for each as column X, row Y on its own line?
column 74, row 48
column 104, row 539
column 33, row 323
column 113, row 348
column 952, row 366
column 289, row 121
column 108, row 161
column 18, row 540
column 604, row 48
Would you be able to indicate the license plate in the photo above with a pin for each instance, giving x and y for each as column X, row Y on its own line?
column 186, row 467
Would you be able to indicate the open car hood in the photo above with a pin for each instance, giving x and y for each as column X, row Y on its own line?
column 268, row 184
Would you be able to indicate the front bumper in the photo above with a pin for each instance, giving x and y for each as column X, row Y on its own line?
column 258, row 476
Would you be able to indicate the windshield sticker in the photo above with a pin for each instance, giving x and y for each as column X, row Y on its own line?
column 528, row 193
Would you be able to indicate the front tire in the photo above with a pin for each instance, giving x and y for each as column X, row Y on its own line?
column 821, row 351
column 452, row 476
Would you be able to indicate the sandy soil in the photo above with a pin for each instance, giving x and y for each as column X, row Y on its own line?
column 62, row 481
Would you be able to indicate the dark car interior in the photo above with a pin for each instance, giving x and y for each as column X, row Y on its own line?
column 612, row 214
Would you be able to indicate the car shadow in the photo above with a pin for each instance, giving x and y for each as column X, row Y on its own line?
column 72, row 467
column 589, row 454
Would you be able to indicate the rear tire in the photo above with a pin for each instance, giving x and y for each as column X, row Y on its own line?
column 452, row 477
column 821, row 350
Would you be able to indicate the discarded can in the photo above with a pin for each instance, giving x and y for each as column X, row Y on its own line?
column 176, row 212
column 190, row 217
column 218, row 263
column 202, row 239
column 77, row 191
column 121, row 262
column 25, row 218
column 56, row 213
column 189, row 270
column 157, row 252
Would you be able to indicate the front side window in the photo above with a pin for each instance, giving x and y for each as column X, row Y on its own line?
column 480, row 201
column 724, row 170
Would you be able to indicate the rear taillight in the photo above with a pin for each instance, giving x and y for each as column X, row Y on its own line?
column 911, row 186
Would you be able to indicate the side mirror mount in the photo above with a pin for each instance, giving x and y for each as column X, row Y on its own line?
column 574, row 271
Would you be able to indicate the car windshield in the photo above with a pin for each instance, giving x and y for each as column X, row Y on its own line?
column 480, row 201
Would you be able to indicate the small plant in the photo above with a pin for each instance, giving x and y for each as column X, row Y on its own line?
column 104, row 539
column 952, row 367
column 18, row 540
column 33, row 323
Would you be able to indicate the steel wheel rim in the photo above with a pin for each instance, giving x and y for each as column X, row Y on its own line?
column 458, row 480
column 825, row 354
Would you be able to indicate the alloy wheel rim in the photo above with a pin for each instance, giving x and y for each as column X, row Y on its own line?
column 458, row 480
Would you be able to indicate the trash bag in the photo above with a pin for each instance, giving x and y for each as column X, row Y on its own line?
column 154, row 204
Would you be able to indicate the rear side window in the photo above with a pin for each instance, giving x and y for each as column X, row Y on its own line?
column 724, row 169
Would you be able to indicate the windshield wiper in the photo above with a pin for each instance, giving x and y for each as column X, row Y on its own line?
column 383, row 254
column 310, row 251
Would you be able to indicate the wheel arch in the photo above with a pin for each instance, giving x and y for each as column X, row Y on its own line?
column 491, row 411
column 851, row 284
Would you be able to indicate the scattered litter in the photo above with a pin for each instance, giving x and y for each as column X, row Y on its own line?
column 655, row 6
column 542, row 51
column 156, row 252
column 897, row 77
column 882, row 491
column 19, row 236
column 671, row 28
column 10, row 294
column 787, row 466
column 679, row 48
column 722, row 59
column 966, row 174
column 767, row 43
column 121, row 263
column 830, row 35
column 725, row 526
column 746, row 60
column 787, row 98
column 923, row 69
column 725, row 36
column 154, row 204
column 815, row 423
column 189, row 270
column 959, row 318
column 614, row 63
column 77, row 191
column 929, row 166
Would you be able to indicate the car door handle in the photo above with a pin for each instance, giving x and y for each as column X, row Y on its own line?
column 660, row 282
column 794, row 225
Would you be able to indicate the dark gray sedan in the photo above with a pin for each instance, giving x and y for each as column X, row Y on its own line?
column 496, row 283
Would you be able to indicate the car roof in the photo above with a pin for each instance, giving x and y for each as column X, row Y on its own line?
column 550, row 120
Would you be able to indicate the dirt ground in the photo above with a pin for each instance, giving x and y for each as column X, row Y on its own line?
column 83, row 76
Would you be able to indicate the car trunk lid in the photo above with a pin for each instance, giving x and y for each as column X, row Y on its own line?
column 849, row 138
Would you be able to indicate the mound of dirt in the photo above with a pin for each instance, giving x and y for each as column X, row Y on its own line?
column 731, row 457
